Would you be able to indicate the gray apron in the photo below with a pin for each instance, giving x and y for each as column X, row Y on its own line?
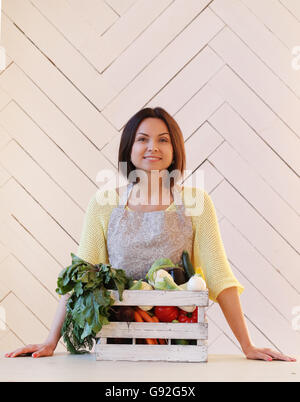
column 136, row 239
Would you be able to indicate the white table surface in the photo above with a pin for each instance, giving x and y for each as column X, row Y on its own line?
column 67, row 367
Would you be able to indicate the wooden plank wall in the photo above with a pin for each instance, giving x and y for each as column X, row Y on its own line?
column 75, row 74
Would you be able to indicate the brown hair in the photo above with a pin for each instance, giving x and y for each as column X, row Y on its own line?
column 129, row 133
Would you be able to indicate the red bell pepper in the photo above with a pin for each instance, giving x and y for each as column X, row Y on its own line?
column 188, row 317
column 166, row 313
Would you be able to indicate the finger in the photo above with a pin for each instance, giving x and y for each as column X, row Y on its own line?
column 16, row 352
column 42, row 352
column 39, row 353
column 10, row 353
column 261, row 356
column 274, row 354
column 25, row 349
column 280, row 356
column 266, row 357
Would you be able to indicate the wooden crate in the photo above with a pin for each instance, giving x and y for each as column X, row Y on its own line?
column 139, row 352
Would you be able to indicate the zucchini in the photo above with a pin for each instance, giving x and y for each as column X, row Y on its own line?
column 187, row 264
column 180, row 342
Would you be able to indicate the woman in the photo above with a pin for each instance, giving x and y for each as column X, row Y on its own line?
column 131, row 235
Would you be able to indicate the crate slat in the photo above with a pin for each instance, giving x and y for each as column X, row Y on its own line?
column 154, row 330
column 179, row 353
column 161, row 298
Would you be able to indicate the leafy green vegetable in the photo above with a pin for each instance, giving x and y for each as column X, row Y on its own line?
column 166, row 283
column 160, row 263
column 137, row 285
column 88, row 307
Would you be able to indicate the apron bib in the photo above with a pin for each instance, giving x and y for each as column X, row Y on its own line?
column 136, row 239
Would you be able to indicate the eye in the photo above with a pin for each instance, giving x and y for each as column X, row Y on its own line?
column 142, row 139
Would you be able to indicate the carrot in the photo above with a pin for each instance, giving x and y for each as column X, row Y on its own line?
column 151, row 341
column 161, row 341
column 146, row 317
column 138, row 318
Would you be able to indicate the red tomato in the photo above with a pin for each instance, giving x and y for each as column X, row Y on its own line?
column 166, row 313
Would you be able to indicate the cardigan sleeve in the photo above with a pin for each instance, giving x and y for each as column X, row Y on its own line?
column 209, row 253
column 92, row 247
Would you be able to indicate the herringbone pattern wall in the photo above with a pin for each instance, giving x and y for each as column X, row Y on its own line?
column 76, row 71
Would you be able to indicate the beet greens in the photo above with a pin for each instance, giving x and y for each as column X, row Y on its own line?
column 88, row 307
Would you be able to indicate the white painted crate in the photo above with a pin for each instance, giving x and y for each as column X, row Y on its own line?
column 134, row 352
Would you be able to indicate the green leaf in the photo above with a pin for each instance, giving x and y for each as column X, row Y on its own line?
column 162, row 261
column 86, row 332
column 78, row 289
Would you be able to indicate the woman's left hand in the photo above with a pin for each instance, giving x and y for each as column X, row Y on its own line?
column 255, row 353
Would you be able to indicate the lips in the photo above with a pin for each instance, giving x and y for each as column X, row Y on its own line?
column 152, row 157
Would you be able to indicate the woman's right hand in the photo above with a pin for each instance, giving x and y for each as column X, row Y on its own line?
column 39, row 350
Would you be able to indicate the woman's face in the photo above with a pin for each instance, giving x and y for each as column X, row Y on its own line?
column 152, row 139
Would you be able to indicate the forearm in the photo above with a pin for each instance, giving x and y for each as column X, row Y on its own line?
column 55, row 331
column 230, row 304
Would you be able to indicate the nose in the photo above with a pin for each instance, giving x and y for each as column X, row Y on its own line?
column 154, row 148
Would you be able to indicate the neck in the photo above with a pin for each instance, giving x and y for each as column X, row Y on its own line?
column 154, row 190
